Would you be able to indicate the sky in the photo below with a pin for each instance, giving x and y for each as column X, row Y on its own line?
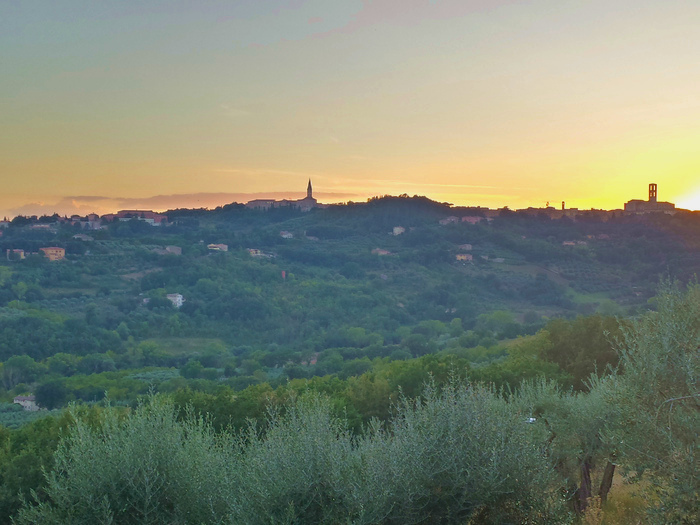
column 161, row 104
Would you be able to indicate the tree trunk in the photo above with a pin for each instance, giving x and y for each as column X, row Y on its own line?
column 606, row 482
column 584, row 490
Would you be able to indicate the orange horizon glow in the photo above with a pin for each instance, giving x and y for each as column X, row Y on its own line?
column 487, row 103
column 161, row 203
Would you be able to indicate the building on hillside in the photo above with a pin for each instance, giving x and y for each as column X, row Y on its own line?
column 380, row 251
column 286, row 235
column 150, row 217
column 398, row 230
column 27, row 403
column 83, row 237
column 651, row 205
column 467, row 257
column 218, row 247
column 465, row 247
column 305, row 204
column 54, row 253
column 15, row 254
column 449, row 220
column 472, row 219
column 261, row 204
column 176, row 298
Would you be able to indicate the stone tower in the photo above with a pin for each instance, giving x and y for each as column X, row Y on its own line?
column 309, row 191
column 652, row 192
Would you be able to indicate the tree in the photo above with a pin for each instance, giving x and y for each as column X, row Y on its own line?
column 576, row 424
column 147, row 467
column 20, row 369
column 658, row 396
column 52, row 394
column 583, row 345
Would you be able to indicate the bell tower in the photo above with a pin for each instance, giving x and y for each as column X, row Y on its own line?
column 309, row 191
column 652, row 192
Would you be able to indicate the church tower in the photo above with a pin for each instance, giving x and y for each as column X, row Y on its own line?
column 309, row 191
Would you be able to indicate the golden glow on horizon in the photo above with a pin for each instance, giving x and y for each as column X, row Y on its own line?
column 690, row 201
column 491, row 103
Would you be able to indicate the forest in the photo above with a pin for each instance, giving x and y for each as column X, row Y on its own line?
column 363, row 363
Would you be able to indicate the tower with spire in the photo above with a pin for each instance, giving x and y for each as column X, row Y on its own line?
column 305, row 204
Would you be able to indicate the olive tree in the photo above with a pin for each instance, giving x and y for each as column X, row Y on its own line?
column 147, row 467
column 658, row 396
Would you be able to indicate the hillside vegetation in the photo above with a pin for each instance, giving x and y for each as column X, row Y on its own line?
column 491, row 374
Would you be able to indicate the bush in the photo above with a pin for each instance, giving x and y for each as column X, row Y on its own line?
column 462, row 454
column 144, row 468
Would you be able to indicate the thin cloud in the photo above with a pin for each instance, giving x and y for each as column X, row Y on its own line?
column 88, row 197
column 83, row 205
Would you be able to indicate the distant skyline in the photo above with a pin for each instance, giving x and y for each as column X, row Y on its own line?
column 154, row 104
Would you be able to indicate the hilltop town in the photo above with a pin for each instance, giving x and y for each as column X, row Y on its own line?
column 93, row 221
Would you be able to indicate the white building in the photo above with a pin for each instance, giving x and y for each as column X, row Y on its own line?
column 27, row 402
column 176, row 298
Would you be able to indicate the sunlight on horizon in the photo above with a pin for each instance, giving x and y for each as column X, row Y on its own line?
column 690, row 201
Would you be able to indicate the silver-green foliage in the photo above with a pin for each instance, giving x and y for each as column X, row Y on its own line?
column 302, row 470
column 463, row 453
column 147, row 468
column 658, row 395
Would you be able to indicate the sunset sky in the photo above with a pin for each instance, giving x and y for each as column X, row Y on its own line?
column 159, row 104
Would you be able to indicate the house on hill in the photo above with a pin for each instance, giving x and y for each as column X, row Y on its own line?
column 54, row 253
column 176, row 298
column 27, row 403
column 15, row 254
